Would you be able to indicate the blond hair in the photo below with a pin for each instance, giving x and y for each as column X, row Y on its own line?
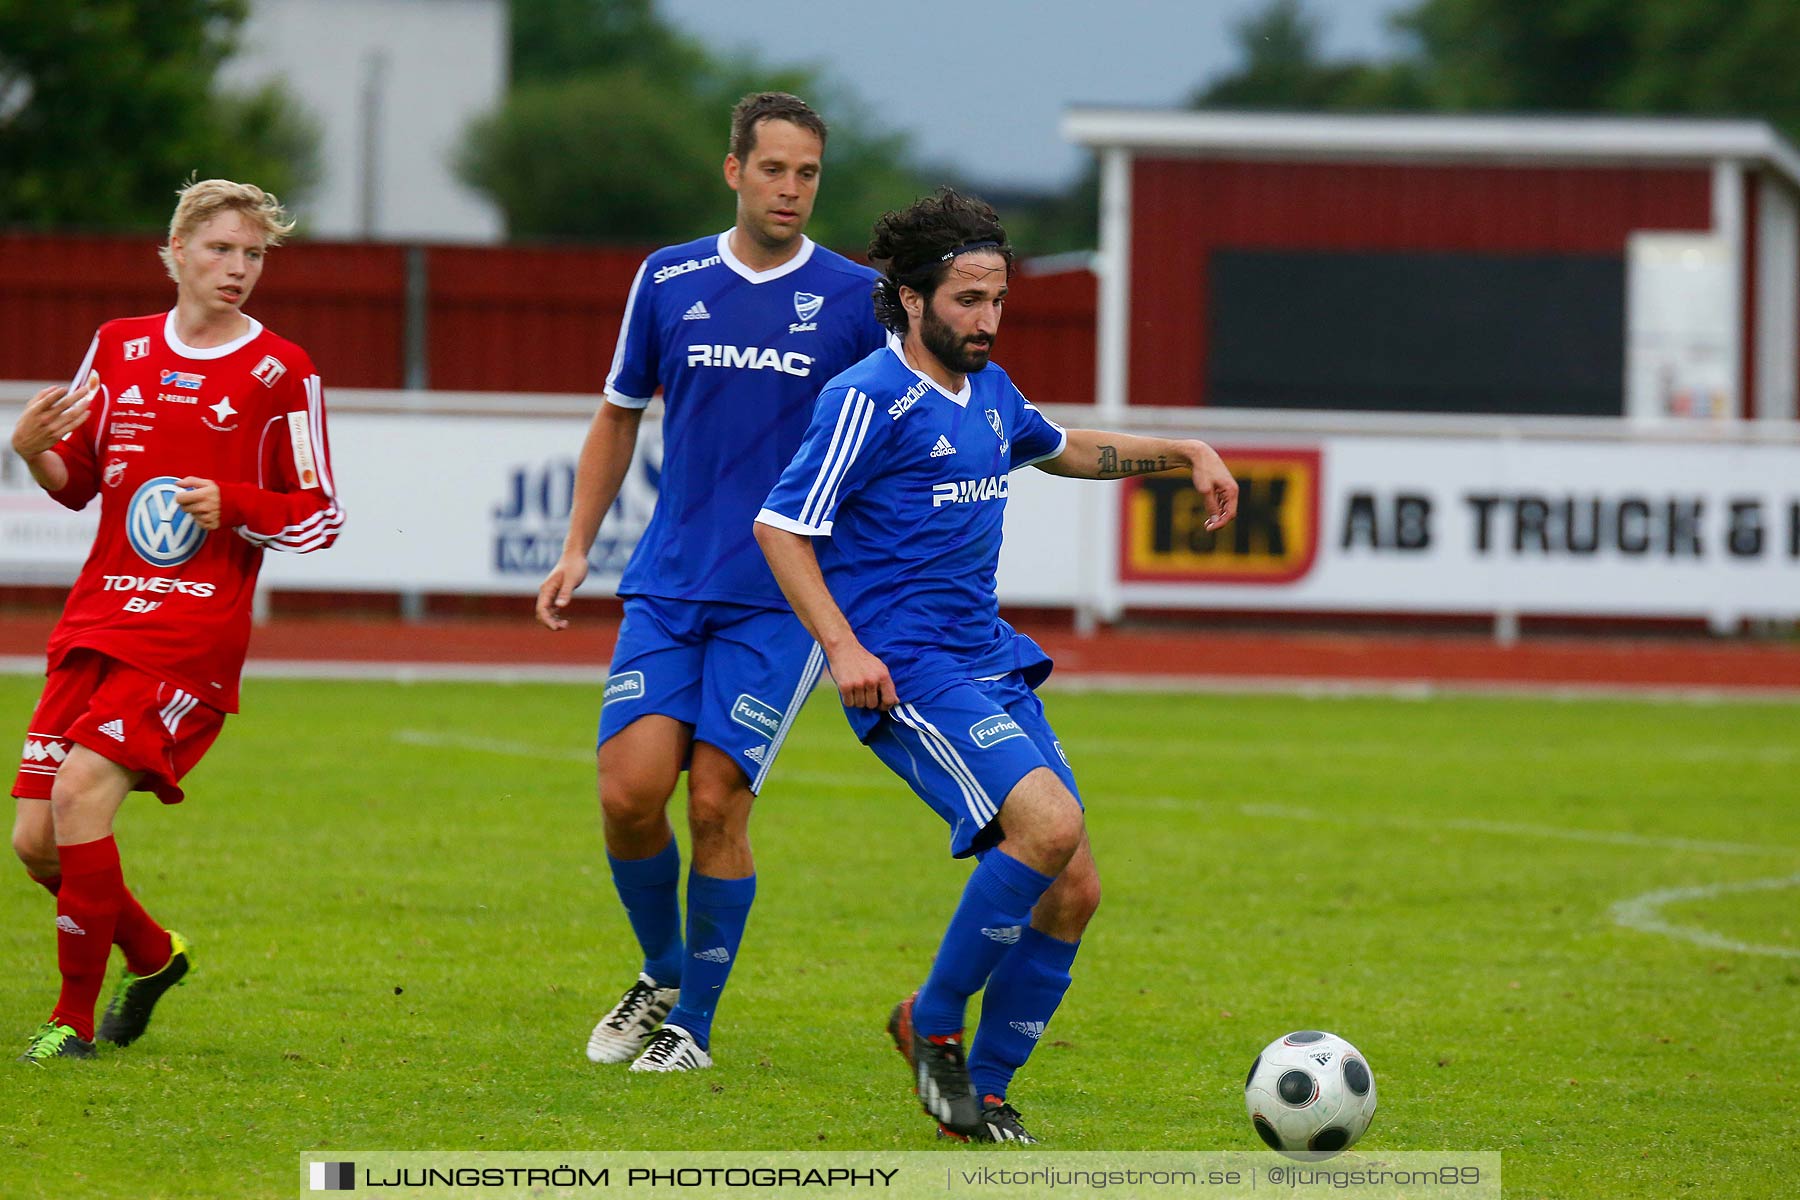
column 205, row 199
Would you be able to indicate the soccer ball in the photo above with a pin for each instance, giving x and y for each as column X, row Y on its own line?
column 1310, row 1091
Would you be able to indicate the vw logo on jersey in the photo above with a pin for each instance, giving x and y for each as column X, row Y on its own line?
column 807, row 305
column 158, row 529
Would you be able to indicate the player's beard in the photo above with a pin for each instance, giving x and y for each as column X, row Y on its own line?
column 963, row 355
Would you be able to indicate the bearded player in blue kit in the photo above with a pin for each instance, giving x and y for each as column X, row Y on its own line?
column 711, row 667
column 885, row 534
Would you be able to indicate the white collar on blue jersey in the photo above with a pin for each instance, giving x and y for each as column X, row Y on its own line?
column 793, row 264
column 186, row 351
column 961, row 398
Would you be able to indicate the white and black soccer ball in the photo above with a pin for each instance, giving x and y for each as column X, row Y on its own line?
column 1310, row 1092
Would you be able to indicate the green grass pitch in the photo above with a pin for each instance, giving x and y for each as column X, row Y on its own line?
column 404, row 928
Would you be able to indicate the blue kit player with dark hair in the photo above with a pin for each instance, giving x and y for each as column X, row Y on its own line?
column 739, row 331
column 885, row 533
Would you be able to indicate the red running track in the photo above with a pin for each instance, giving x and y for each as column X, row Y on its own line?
column 1158, row 654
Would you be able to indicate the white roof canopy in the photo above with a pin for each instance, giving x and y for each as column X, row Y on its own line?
column 1434, row 138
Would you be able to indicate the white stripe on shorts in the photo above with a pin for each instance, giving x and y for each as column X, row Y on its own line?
column 980, row 806
column 809, row 678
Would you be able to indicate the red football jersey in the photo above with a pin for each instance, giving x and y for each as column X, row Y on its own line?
column 158, row 591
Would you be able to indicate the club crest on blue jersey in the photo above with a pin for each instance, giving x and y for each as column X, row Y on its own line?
column 999, row 430
column 158, row 528
column 807, row 305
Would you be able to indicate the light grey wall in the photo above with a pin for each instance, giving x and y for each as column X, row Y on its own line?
column 408, row 73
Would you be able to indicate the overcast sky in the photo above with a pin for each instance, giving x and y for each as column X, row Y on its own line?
column 981, row 84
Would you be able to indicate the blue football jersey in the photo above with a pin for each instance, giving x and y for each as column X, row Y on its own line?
column 903, row 485
column 740, row 356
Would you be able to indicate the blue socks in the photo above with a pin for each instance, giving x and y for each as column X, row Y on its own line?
column 717, row 912
column 1019, row 1001
column 646, row 887
column 992, row 918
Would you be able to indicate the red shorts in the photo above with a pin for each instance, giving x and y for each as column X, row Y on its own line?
column 122, row 714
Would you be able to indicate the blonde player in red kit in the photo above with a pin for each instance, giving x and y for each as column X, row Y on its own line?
column 202, row 434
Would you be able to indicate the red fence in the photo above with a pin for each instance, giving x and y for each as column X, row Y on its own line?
column 512, row 318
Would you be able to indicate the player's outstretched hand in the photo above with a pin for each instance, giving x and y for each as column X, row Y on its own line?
column 1214, row 483
column 199, row 499
column 863, row 680
column 558, row 589
column 51, row 414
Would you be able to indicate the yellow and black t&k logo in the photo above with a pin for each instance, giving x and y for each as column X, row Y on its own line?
column 1273, row 540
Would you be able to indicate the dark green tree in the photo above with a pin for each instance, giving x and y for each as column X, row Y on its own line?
column 106, row 106
column 1690, row 57
column 1282, row 67
column 617, row 127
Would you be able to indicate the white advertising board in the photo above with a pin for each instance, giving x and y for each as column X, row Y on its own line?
column 1627, row 522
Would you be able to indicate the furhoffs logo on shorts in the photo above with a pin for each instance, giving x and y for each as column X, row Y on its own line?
column 628, row 685
column 991, row 731
column 747, row 710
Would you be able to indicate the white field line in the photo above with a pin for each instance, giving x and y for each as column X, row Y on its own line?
column 1064, row 681
column 1643, row 913
column 1600, row 837
column 510, row 749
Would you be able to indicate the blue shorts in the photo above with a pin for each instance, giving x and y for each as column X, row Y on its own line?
column 739, row 675
column 963, row 749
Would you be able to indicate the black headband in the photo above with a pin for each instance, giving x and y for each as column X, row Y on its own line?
column 924, row 270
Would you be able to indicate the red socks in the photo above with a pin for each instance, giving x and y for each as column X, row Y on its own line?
column 88, row 905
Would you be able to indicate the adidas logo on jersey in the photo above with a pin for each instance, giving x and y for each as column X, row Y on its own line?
column 1031, row 1029
column 757, row 754
column 943, row 447
column 718, row 954
column 696, row 312
column 1006, row 935
column 131, row 395
column 67, row 924
column 114, row 729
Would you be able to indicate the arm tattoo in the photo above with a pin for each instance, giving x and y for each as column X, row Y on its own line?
column 1111, row 465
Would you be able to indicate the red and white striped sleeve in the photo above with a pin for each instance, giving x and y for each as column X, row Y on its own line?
column 294, row 508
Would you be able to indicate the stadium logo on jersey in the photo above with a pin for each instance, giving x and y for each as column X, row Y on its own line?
column 222, row 413
column 969, row 491
column 115, row 471
column 696, row 312
column 131, row 395
column 137, row 348
column 627, row 686
column 1274, row 539
column 664, row 274
column 183, row 379
column 899, row 408
column 268, row 370
column 158, row 528
column 993, row 730
column 999, row 430
column 748, row 711
column 750, row 358
column 943, row 447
